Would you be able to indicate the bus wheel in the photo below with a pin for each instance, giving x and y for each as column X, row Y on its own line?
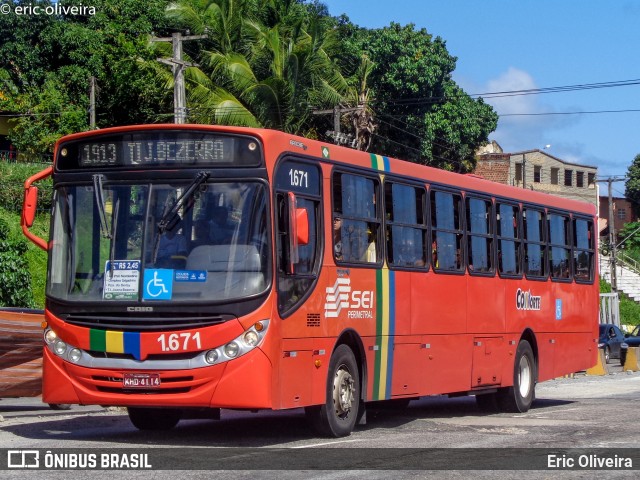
column 519, row 397
column 337, row 417
column 154, row 418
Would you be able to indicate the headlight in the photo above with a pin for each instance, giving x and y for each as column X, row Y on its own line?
column 600, row 345
column 237, row 347
column 624, row 345
column 60, row 347
column 231, row 349
column 75, row 354
column 250, row 338
column 211, row 356
column 50, row 336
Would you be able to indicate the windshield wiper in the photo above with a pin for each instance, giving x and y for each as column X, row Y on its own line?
column 102, row 214
column 171, row 217
column 112, row 250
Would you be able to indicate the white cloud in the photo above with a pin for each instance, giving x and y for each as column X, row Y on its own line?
column 525, row 130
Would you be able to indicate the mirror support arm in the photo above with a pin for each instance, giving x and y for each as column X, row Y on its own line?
column 29, row 207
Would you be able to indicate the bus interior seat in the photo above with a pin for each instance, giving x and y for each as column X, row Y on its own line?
column 232, row 270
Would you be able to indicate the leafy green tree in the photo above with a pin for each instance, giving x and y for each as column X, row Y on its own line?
column 48, row 61
column 423, row 115
column 632, row 185
column 629, row 236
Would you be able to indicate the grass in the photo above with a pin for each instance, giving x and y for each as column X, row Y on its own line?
column 629, row 309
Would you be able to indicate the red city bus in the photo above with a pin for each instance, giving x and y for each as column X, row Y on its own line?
column 193, row 268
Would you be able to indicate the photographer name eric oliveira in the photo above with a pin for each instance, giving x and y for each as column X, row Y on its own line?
column 588, row 461
column 53, row 9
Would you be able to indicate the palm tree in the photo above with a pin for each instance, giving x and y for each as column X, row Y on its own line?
column 259, row 74
column 362, row 118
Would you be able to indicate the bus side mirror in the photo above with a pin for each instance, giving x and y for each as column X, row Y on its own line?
column 302, row 226
column 30, row 206
column 293, row 232
column 298, row 230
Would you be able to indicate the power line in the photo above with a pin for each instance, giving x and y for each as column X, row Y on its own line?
column 567, row 113
column 514, row 93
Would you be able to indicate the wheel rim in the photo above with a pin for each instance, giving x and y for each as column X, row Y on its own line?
column 343, row 392
column 524, row 376
column 606, row 355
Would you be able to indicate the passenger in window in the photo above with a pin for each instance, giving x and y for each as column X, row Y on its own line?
column 221, row 232
column 434, row 254
column 337, row 238
column 370, row 252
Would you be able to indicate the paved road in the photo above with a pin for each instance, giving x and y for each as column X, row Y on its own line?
column 579, row 412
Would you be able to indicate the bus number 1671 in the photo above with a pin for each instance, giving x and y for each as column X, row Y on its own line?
column 179, row 341
column 299, row 178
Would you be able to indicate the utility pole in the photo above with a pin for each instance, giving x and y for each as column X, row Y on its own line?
column 612, row 234
column 177, row 66
column 92, row 102
column 612, row 239
column 337, row 113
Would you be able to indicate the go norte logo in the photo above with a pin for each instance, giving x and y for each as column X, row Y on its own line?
column 527, row 301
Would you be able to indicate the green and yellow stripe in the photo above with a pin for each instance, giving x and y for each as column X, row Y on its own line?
column 385, row 331
column 380, row 163
column 115, row 342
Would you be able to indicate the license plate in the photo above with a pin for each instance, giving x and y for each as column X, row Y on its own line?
column 141, row 380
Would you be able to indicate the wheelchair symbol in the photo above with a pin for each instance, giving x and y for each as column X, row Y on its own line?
column 157, row 285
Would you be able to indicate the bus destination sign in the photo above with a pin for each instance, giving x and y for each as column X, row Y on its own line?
column 160, row 149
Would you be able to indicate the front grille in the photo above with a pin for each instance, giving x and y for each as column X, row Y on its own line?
column 141, row 322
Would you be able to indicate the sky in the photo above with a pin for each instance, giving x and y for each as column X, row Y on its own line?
column 507, row 45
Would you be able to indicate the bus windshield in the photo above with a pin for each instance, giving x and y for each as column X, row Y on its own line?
column 195, row 240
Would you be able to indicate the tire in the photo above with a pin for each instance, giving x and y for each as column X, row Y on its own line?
column 519, row 397
column 337, row 417
column 623, row 357
column 154, row 418
column 607, row 354
column 60, row 406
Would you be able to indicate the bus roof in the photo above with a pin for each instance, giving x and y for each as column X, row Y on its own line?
column 275, row 142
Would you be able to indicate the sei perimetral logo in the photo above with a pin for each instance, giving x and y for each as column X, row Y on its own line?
column 358, row 303
column 527, row 301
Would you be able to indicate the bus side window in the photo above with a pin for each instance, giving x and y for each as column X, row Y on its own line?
column 447, row 230
column 534, row 243
column 583, row 250
column 480, row 235
column 508, row 235
column 406, row 227
column 356, row 237
column 559, row 246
